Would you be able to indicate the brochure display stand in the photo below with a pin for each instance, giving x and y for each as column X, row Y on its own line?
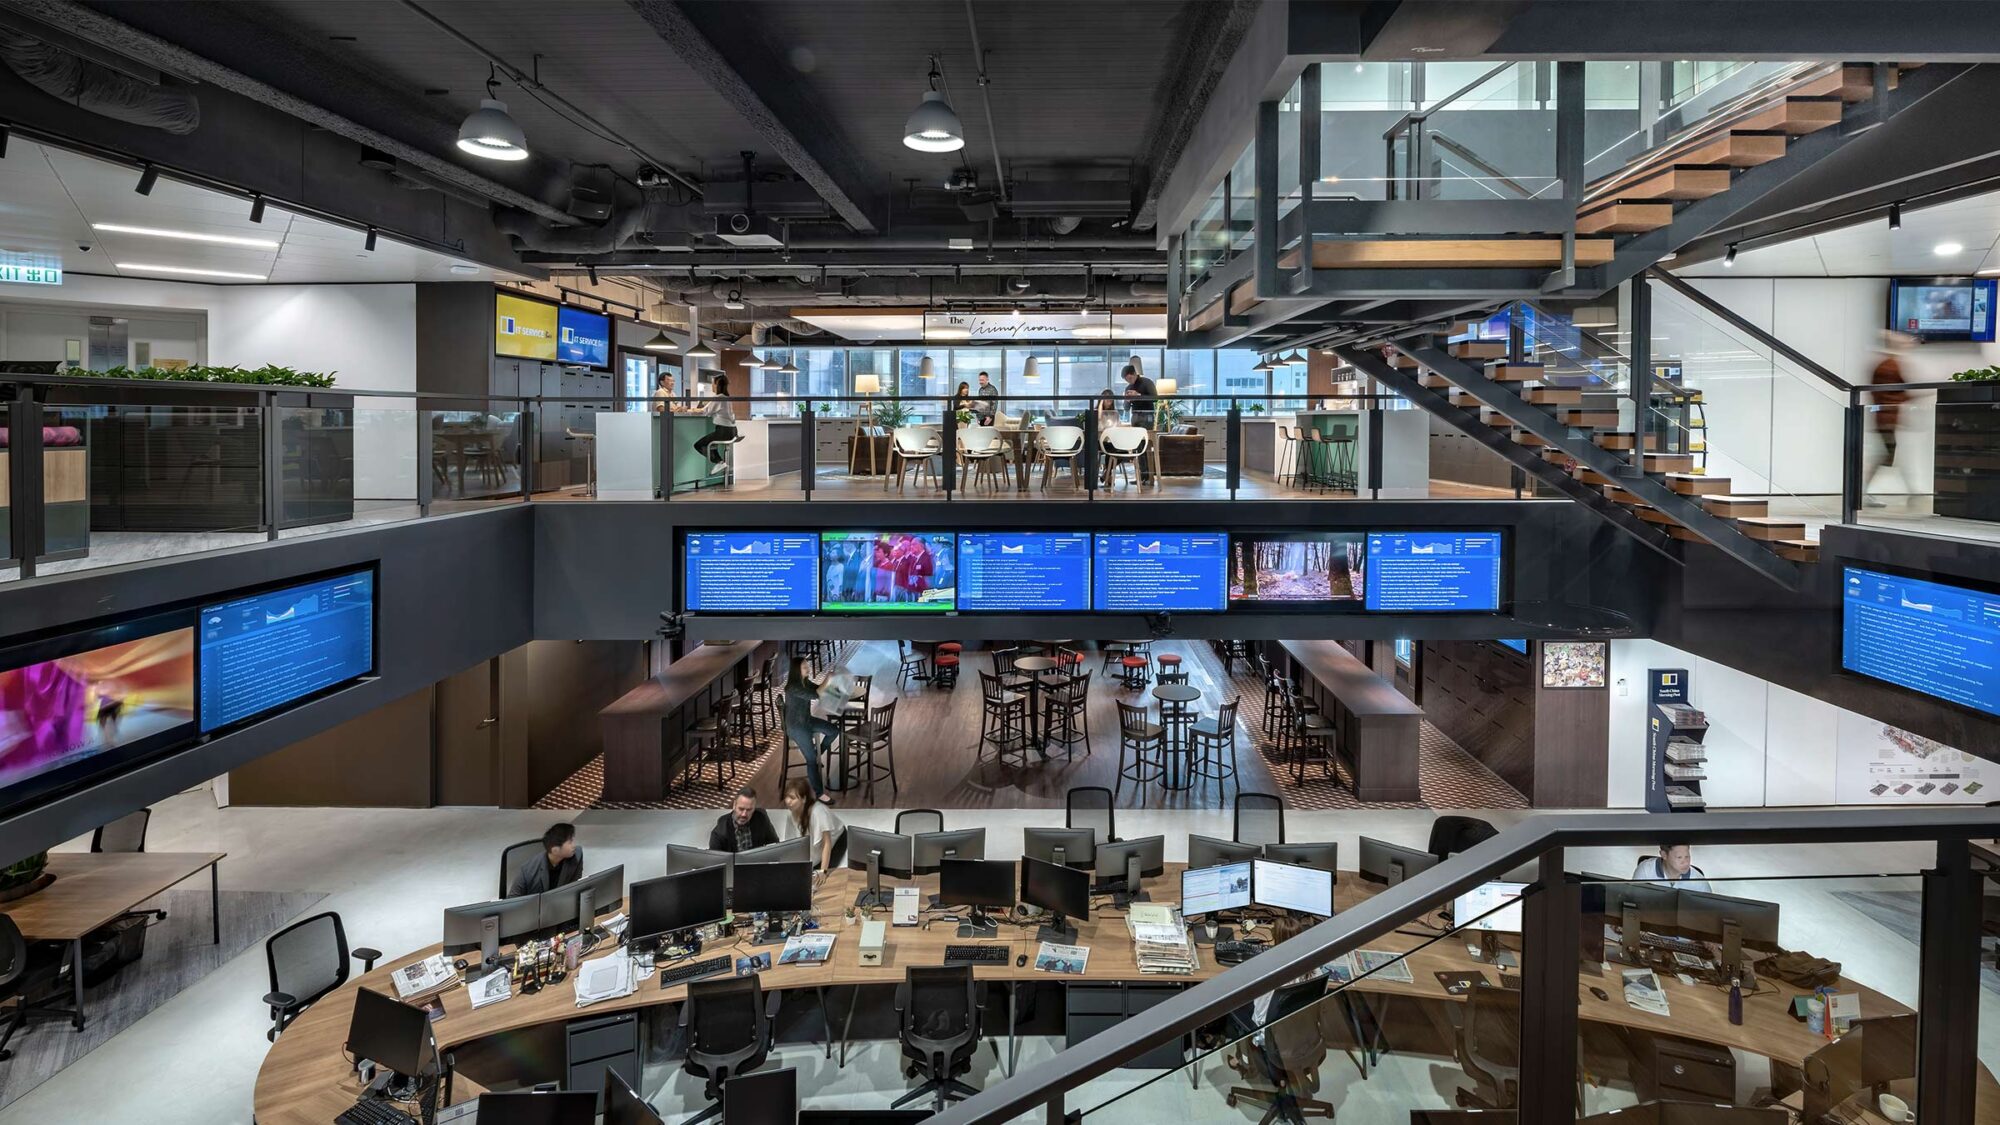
column 1676, row 761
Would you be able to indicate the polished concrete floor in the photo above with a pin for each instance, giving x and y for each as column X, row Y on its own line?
column 389, row 872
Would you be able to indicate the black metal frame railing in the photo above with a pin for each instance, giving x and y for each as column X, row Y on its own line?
column 1550, row 972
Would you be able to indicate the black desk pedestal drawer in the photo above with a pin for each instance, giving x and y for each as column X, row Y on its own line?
column 1091, row 1008
column 1683, row 1070
column 606, row 1041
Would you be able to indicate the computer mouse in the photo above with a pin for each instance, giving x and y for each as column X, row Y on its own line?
column 1021, row 960
column 1599, row 993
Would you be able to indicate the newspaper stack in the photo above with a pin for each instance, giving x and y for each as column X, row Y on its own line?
column 1161, row 947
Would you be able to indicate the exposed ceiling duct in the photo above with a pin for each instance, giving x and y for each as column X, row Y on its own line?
column 912, row 290
column 634, row 215
column 92, row 86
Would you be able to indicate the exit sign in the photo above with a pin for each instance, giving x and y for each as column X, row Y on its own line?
column 21, row 274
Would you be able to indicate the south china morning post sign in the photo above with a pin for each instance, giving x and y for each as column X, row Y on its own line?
column 29, row 273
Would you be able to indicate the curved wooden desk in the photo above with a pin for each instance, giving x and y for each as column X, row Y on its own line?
column 306, row 1080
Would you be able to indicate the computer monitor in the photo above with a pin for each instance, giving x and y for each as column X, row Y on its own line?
column 484, row 925
column 1325, row 857
column 978, row 883
column 772, row 888
column 687, row 857
column 929, row 849
column 764, row 1097
column 1062, row 891
column 1207, row 891
column 1383, row 862
column 623, row 1105
column 1207, row 851
column 394, row 1034
column 523, row 1108
column 577, row 905
column 1888, row 1048
column 1071, row 847
column 1281, row 886
column 1493, row 907
column 1730, row 922
column 1121, row 865
column 878, row 852
column 672, row 903
column 798, row 849
column 1636, row 907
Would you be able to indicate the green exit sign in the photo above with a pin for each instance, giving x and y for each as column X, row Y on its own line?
column 30, row 275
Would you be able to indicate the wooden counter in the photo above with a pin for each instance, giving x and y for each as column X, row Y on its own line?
column 306, row 1081
column 645, row 745
column 1379, row 727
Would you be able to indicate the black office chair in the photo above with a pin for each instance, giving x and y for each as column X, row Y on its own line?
column 909, row 822
column 1453, row 834
column 31, row 977
column 729, row 1029
column 1289, row 1058
column 309, row 959
column 513, row 856
column 1260, row 819
column 1092, row 806
column 938, row 1009
column 126, row 834
column 1488, row 1047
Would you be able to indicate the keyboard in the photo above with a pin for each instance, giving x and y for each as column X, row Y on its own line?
column 977, row 954
column 372, row 1112
column 694, row 970
column 1672, row 944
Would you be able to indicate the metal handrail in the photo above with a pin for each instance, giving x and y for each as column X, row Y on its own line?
column 1212, row 999
column 1419, row 115
column 1479, row 163
column 1729, row 316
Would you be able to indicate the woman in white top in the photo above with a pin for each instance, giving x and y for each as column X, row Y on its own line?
column 722, row 412
column 818, row 823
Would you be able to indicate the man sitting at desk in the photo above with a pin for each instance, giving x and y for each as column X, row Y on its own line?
column 1674, row 867
column 743, row 827
column 560, row 865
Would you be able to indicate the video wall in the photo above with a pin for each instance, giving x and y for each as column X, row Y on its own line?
column 87, row 702
column 924, row 572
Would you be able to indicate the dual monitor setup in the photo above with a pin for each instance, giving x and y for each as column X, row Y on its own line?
column 1680, row 923
column 79, row 705
column 922, row 572
column 574, row 906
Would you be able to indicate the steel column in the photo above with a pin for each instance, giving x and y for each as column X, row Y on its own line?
column 1232, row 447
column 1569, row 162
column 426, row 461
column 809, row 449
column 1641, row 348
column 1551, row 929
column 1948, row 990
column 25, row 467
column 1264, row 237
column 1851, row 445
column 1309, row 110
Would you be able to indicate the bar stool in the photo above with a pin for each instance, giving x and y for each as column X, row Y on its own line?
column 1287, row 459
column 875, row 739
column 1168, row 662
column 1112, row 651
column 944, row 667
column 726, row 458
column 1066, row 713
column 1313, row 460
column 1314, row 742
column 1214, row 742
column 910, row 663
column 713, row 740
column 1341, row 473
column 1145, row 741
column 1132, row 671
column 1003, row 722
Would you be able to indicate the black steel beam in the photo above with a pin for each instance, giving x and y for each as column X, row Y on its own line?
column 1948, row 987
column 941, row 259
column 1214, row 32
column 1551, row 938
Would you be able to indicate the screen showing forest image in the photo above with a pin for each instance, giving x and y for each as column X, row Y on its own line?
column 71, row 709
column 1304, row 567
column 888, row 572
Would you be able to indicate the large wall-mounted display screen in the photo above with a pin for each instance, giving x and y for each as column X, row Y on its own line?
column 1943, row 309
column 583, row 337
column 888, row 572
column 91, row 700
column 1314, row 566
column 1022, row 572
column 752, row 571
column 1160, row 572
column 261, row 652
column 522, row 328
column 1434, row 571
column 1929, row 637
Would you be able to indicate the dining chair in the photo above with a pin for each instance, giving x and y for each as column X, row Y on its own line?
column 1126, row 447
column 1062, row 446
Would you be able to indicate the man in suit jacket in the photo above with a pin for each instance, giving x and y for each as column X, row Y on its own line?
column 743, row 827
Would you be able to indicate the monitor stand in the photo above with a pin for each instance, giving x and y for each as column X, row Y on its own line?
column 978, row 925
column 586, row 911
column 1057, row 932
column 489, row 941
column 1732, row 948
column 1131, row 891
column 1628, row 934
column 874, row 896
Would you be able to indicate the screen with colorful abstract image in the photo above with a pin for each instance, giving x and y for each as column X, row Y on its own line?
column 888, row 572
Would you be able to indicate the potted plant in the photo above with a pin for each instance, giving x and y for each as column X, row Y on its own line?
column 964, row 417
column 269, row 375
column 1256, row 408
column 1977, row 385
column 1978, row 375
column 891, row 414
column 24, row 877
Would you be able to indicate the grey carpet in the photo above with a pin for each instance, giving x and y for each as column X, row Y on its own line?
column 178, row 953
column 1902, row 914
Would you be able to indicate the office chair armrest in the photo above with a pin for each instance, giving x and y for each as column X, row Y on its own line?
column 902, row 997
column 366, row 956
column 773, row 1000
column 687, row 1010
column 279, row 1001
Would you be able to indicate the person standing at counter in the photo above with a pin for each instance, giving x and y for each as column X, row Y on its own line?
column 809, row 732
column 663, row 393
column 1141, row 394
column 722, row 413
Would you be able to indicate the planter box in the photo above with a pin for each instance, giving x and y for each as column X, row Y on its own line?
column 1966, row 466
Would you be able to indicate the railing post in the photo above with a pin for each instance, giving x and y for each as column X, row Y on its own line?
column 1089, row 450
column 948, row 447
column 1232, row 447
column 529, row 434
column 1948, row 989
column 426, row 452
column 1851, row 442
column 274, row 460
column 809, row 449
column 24, row 499
column 1374, row 465
column 667, row 428
column 1552, row 922
column 1640, row 377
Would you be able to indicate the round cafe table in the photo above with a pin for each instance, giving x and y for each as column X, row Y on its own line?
column 1035, row 666
column 1176, row 717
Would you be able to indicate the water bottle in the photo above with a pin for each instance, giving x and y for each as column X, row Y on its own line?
column 1735, row 1001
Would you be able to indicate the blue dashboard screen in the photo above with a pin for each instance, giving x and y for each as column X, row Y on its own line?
column 1161, row 572
column 752, row 571
column 264, row 651
column 1025, row 572
column 1434, row 571
column 1940, row 640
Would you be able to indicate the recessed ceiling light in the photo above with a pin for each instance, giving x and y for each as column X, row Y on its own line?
column 1947, row 249
column 958, row 244
column 187, row 235
column 464, row 270
column 138, row 267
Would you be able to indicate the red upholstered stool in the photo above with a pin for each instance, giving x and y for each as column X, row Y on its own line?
column 1132, row 671
column 950, row 646
column 944, row 668
column 1169, row 662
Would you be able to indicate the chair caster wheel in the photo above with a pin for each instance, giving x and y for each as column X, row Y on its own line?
column 1229, row 1100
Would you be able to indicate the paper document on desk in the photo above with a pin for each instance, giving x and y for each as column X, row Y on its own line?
column 1068, row 959
column 1383, row 965
column 1643, row 991
column 606, row 978
column 432, row 974
column 806, row 949
column 491, row 989
column 1151, row 913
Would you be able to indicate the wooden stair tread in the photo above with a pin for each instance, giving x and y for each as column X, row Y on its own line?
column 1533, row 441
column 1737, row 148
column 1553, row 396
column 1795, row 115
column 1736, row 507
column 1654, row 515
column 1797, row 550
column 1448, row 253
column 1667, row 462
column 1771, row 528
column 1624, row 216
column 1589, row 419
column 1695, row 484
column 1679, row 181
column 1623, row 442
column 1515, row 372
column 1676, row 531
column 1477, row 349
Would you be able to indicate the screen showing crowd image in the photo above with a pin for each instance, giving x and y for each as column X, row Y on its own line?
column 888, row 572
column 1305, row 567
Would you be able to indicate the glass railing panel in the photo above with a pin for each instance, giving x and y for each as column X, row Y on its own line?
column 478, row 449
column 1986, row 1097
column 1929, row 459
column 1793, row 991
column 1425, row 1018
column 7, row 568
column 382, row 448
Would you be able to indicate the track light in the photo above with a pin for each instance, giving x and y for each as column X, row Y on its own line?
column 1895, row 216
column 256, row 208
column 591, row 271
column 1729, row 255
column 148, row 176
column 734, row 300
column 490, row 131
column 934, row 126
column 369, row 242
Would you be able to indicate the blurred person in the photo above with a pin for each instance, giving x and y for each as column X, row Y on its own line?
column 1886, row 416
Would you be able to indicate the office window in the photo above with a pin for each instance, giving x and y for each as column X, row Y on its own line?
column 1193, row 373
column 773, row 387
column 1288, row 383
column 920, row 396
column 1233, row 376
column 822, row 371
column 638, row 371
column 1038, row 390
column 879, row 362
column 1086, row 373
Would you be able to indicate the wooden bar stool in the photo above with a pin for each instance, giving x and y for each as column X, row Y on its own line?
column 944, row 665
column 1214, row 742
column 1132, row 671
column 1169, row 662
column 1145, row 742
column 1003, row 722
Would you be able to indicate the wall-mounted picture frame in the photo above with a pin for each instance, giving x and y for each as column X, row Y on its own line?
column 1575, row 664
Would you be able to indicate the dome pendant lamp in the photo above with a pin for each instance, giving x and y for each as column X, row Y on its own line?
column 490, row 131
column 934, row 126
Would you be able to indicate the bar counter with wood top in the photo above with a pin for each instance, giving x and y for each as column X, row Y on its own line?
column 1379, row 728
column 645, row 730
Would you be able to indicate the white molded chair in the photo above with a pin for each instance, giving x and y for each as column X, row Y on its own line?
column 1126, row 446
column 916, row 448
column 1061, row 445
column 980, row 449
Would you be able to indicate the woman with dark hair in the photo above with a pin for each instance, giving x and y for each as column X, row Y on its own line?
column 961, row 399
column 810, row 733
column 826, row 836
column 722, row 412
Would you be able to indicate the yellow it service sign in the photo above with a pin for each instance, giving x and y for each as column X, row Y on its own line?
column 523, row 328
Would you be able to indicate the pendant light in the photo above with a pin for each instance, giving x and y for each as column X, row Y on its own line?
column 934, row 126
column 490, row 131
column 661, row 342
column 788, row 368
column 1293, row 359
column 1031, row 371
column 702, row 351
column 925, row 370
column 1263, row 364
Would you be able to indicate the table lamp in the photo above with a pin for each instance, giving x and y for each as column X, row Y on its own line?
column 868, row 385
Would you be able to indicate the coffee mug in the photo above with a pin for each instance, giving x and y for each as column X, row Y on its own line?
column 1894, row 1108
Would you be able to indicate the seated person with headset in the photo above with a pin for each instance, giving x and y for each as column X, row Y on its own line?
column 1674, row 867
column 743, row 827
column 561, row 864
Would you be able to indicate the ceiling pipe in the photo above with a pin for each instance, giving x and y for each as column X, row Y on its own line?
column 986, row 101
column 97, row 88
